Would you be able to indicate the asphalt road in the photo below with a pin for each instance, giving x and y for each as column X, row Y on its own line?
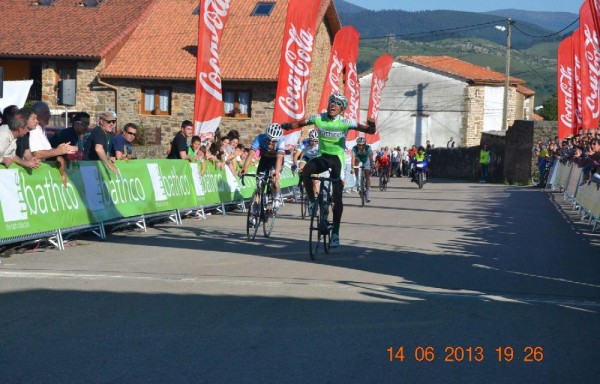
column 455, row 283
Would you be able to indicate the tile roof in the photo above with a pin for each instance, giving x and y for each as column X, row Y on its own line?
column 164, row 46
column 523, row 90
column 67, row 29
column 455, row 67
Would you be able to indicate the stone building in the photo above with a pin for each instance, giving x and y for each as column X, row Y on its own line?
column 138, row 58
column 438, row 97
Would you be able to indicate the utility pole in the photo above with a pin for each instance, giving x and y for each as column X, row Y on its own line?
column 390, row 43
column 507, row 79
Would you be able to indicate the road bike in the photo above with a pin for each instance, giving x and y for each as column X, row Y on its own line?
column 384, row 178
column 361, row 183
column 321, row 225
column 261, row 210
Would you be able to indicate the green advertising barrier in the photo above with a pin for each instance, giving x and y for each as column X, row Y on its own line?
column 35, row 200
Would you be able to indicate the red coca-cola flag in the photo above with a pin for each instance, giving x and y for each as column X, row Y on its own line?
column 352, row 87
column 577, row 80
column 208, row 103
column 595, row 10
column 381, row 69
column 353, row 96
column 295, row 64
column 344, row 44
column 590, row 68
column 566, row 91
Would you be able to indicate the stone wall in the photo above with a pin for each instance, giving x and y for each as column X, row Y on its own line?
column 463, row 162
column 475, row 97
column 520, row 138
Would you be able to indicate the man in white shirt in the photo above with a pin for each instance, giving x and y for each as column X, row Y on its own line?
column 9, row 133
column 38, row 142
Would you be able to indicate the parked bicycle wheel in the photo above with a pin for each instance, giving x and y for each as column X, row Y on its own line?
column 253, row 221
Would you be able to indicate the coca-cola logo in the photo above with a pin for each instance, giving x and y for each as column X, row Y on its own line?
column 215, row 11
column 298, row 51
column 592, row 57
column 376, row 97
column 354, row 88
column 577, row 78
column 334, row 72
column 566, row 86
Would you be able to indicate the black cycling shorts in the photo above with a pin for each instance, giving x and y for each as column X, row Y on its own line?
column 323, row 163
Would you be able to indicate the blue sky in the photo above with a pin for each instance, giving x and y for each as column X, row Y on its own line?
column 472, row 5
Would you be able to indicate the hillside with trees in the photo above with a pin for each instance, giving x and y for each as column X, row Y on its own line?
column 468, row 36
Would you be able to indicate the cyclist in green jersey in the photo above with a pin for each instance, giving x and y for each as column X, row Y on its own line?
column 332, row 128
column 362, row 153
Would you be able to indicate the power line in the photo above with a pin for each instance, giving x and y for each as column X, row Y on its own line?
column 545, row 36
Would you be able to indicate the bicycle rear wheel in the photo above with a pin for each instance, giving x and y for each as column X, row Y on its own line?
column 315, row 234
column 326, row 226
column 269, row 219
column 253, row 220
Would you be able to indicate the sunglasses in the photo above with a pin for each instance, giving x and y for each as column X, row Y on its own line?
column 110, row 121
column 131, row 133
column 336, row 102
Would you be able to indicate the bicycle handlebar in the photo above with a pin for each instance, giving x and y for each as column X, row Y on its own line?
column 261, row 175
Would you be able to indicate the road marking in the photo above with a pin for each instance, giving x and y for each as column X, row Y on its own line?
column 404, row 291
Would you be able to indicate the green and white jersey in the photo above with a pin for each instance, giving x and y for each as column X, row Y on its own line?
column 332, row 133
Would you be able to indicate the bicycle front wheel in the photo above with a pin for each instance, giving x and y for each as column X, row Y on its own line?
column 303, row 201
column 253, row 220
column 362, row 189
column 269, row 220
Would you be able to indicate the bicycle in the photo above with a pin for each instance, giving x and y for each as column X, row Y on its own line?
column 261, row 208
column 361, row 184
column 383, row 179
column 321, row 225
column 538, row 180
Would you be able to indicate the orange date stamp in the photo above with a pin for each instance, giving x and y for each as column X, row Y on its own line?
column 466, row 354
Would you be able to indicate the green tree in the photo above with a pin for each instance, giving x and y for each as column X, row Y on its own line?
column 550, row 110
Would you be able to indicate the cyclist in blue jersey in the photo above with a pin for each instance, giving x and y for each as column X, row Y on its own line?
column 272, row 150
column 332, row 129
column 306, row 151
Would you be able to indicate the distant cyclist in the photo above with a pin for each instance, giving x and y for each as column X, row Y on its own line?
column 362, row 153
column 272, row 150
column 306, row 151
column 332, row 128
column 383, row 165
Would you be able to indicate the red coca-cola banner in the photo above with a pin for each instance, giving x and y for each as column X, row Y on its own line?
column 344, row 44
column 352, row 86
column 381, row 69
column 577, row 80
column 295, row 64
column 595, row 10
column 566, row 91
column 208, row 103
column 590, row 68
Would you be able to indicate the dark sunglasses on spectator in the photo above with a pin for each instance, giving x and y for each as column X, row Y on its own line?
column 131, row 133
column 110, row 121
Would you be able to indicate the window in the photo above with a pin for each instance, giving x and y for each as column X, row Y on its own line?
column 237, row 103
column 156, row 101
column 263, row 8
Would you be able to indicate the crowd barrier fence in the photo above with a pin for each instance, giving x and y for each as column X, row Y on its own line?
column 583, row 195
column 34, row 203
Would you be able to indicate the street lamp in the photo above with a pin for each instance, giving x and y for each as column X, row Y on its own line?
column 507, row 75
